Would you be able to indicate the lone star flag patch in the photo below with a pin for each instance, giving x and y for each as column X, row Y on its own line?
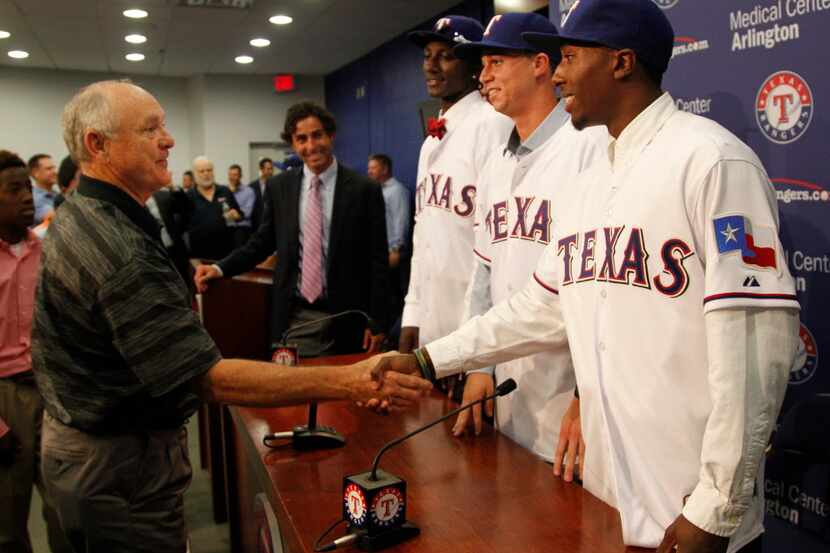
column 734, row 233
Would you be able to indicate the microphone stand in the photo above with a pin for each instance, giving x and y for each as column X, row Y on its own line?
column 310, row 436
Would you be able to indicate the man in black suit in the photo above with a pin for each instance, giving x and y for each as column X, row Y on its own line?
column 266, row 171
column 172, row 208
column 328, row 227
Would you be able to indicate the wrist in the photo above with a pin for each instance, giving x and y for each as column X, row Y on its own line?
column 425, row 364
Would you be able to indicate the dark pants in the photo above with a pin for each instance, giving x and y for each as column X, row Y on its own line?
column 22, row 408
column 118, row 493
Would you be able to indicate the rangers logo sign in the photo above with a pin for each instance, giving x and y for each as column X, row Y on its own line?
column 804, row 373
column 784, row 107
column 355, row 505
column 387, row 507
column 666, row 4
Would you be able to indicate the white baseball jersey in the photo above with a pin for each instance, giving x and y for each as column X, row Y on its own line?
column 514, row 226
column 445, row 201
column 682, row 224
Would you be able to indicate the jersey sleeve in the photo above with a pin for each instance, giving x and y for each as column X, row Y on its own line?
column 738, row 232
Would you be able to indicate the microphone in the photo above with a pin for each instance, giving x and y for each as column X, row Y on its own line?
column 373, row 326
column 309, row 436
column 374, row 502
column 501, row 390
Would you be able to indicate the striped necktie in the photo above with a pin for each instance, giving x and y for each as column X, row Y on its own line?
column 312, row 279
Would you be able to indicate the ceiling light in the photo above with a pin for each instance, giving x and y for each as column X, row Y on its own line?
column 5, row 34
column 136, row 39
column 243, row 59
column 135, row 14
column 18, row 54
column 135, row 56
column 281, row 19
column 260, row 42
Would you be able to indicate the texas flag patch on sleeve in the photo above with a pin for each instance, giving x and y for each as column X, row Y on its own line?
column 734, row 233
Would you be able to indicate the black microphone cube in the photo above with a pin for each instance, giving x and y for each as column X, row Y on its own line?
column 374, row 506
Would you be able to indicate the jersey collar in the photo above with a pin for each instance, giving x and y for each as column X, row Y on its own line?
column 641, row 131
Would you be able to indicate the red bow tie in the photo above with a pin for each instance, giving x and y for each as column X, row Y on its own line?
column 437, row 127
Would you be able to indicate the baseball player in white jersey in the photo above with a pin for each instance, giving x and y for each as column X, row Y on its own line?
column 448, row 175
column 666, row 278
column 517, row 185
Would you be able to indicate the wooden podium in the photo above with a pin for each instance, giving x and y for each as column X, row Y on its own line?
column 470, row 495
column 235, row 313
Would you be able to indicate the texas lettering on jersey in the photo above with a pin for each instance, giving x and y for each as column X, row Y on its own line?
column 521, row 217
column 436, row 191
column 618, row 255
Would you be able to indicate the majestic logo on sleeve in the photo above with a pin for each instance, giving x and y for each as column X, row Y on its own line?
column 618, row 255
column 784, row 107
column 523, row 218
column 734, row 233
column 805, row 372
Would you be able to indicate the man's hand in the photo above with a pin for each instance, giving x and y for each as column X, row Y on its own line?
column 408, row 340
column 372, row 342
column 232, row 215
column 204, row 273
column 386, row 383
column 394, row 259
column 570, row 446
column 690, row 539
column 478, row 385
column 9, row 448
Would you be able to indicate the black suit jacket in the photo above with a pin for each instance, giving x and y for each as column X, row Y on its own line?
column 358, row 263
column 259, row 205
column 175, row 208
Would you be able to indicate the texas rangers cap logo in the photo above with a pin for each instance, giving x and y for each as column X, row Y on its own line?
column 387, row 507
column 568, row 13
column 666, row 4
column 800, row 375
column 355, row 505
column 784, row 107
column 441, row 23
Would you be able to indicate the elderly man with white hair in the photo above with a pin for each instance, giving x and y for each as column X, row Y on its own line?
column 215, row 209
column 120, row 357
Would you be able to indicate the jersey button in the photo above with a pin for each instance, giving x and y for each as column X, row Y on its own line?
column 602, row 346
column 603, row 293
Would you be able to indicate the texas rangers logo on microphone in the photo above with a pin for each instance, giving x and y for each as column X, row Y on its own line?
column 355, row 505
column 387, row 507
column 734, row 233
column 784, row 107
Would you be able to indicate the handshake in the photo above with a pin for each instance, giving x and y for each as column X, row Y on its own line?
column 388, row 382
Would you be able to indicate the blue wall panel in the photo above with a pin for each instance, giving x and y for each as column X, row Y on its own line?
column 376, row 97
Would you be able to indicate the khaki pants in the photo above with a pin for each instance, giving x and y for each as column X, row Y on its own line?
column 120, row 493
column 22, row 409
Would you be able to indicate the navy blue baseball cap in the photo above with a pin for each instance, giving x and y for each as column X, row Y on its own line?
column 505, row 32
column 636, row 24
column 452, row 29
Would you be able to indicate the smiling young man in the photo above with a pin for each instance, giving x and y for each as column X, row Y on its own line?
column 449, row 168
column 667, row 279
column 328, row 226
column 519, row 183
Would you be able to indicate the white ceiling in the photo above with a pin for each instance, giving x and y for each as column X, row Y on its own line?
column 89, row 35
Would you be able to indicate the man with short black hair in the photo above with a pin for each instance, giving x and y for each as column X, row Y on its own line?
column 187, row 180
column 21, row 407
column 245, row 199
column 396, row 198
column 258, row 185
column 44, row 173
column 328, row 228
column 68, row 175
column 120, row 355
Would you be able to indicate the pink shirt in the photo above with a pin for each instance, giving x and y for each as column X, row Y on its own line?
column 18, row 278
